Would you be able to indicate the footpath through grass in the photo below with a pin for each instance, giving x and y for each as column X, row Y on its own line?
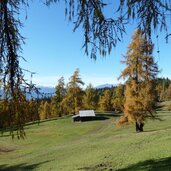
column 61, row 145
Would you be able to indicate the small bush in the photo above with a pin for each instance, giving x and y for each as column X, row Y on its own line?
column 123, row 120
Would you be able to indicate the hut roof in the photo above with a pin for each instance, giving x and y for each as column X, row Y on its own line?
column 86, row 113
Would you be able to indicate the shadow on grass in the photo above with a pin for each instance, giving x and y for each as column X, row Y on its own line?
column 148, row 165
column 109, row 114
column 20, row 167
column 5, row 135
column 159, row 107
column 163, row 164
column 95, row 118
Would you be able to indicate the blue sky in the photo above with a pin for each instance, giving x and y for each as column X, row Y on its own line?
column 52, row 50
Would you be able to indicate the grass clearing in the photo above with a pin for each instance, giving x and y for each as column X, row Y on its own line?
column 62, row 145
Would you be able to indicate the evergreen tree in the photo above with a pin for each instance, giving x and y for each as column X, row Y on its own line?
column 140, row 72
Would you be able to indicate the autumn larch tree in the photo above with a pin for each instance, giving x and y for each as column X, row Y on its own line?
column 105, row 101
column 44, row 110
column 33, row 114
column 118, row 98
column 90, row 97
column 140, row 72
column 73, row 100
column 56, row 101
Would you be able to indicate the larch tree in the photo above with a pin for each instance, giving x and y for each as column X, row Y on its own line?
column 118, row 98
column 33, row 114
column 12, row 80
column 44, row 110
column 73, row 101
column 56, row 102
column 140, row 72
column 47, row 110
column 89, row 98
column 168, row 92
column 41, row 110
column 163, row 89
column 105, row 101
column 102, row 31
column 4, row 114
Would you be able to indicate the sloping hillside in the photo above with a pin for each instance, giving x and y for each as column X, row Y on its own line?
column 62, row 145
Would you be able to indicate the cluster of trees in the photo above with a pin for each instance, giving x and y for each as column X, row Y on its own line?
column 70, row 98
column 136, row 98
column 163, row 89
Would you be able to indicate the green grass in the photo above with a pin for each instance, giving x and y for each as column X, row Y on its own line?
column 61, row 145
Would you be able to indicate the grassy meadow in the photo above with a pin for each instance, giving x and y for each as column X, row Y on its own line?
column 62, row 145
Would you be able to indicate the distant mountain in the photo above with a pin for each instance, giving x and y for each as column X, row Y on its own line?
column 50, row 90
column 44, row 92
column 104, row 86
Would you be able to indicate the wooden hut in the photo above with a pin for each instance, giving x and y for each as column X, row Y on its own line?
column 84, row 115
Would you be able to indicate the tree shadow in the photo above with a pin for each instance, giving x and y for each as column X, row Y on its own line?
column 5, row 135
column 6, row 150
column 163, row 164
column 94, row 118
column 159, row 107
column 20, row 167
column 109, row 114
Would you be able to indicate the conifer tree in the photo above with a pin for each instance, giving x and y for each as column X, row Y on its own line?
column 33, row 110
column 89, row 98
column 140, row 72
column 47, row 111
column 4, row 114
column 44, row 110
column 105, row 101
column 41, row 110
column 56, row 102
column 54, row 107
column 73, row 101
column 118, row 98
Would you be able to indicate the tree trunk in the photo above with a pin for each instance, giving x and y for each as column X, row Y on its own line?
column 139, row 127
